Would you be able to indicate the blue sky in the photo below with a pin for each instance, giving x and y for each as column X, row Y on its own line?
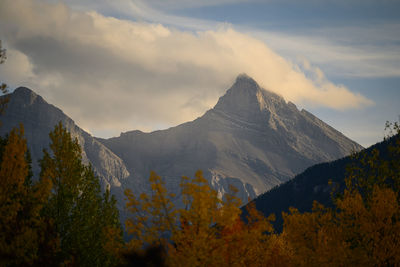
column 119, row 65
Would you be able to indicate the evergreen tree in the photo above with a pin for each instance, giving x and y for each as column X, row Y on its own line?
column 81, row 215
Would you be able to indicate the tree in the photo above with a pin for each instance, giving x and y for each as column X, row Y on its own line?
column 23, row 231
column 364, row 226
column 112, row 243
column 81, row 215
column 21, row 225
column 2, row 54
column 153, row 218
column 208, row 231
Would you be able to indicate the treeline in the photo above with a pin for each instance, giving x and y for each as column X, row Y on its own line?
column 64, row 219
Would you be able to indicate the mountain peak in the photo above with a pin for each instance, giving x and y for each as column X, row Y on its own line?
column 26, row 95
column 23, row 91
column 244, row 78
column 247, row 99
column 245, row 82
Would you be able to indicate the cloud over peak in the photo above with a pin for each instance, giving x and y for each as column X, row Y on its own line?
column 109, row 73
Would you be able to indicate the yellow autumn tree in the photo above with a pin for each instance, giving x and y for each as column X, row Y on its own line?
column 21, row 225
column 153, row 217
column 196, row 243
column 206, row 231
column 258, row 244
column 314, row 237
column 364, row 226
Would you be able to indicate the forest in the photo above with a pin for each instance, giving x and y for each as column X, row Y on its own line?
column 63, row 218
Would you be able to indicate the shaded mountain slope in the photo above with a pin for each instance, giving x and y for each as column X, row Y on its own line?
column 312, row 184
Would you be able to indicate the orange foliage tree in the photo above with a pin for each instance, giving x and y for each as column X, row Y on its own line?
column 208, row 231
column 364, row 226
column 21, row 224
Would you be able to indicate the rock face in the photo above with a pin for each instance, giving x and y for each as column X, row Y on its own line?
column 39, row 119
column 251, row 139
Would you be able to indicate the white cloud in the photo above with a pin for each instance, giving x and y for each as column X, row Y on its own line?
column 108, row 73
column 17, row 68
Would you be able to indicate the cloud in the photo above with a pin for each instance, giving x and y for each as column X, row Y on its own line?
column 17, row 69
column 151, row 11
column 180, row 4
column 113, row 75
column 165, row 5
column 346, row 51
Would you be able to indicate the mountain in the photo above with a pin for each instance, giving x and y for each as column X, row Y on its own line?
column 39, row 118
column 315, row 183
column 252, row 139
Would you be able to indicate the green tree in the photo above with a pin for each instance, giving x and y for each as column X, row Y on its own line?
column 81, row 214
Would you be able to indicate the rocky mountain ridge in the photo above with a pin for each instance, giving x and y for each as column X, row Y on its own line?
column 251, row 139
column 39, row 118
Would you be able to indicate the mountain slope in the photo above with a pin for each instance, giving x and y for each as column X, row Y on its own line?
column 39, row 119
column 312, row 184
column 252, row 139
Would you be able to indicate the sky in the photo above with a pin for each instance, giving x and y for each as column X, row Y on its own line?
column 120, row 65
